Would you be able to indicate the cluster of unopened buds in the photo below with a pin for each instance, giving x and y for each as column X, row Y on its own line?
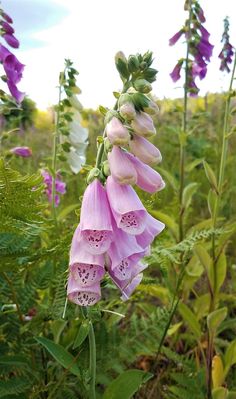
column 199, row 47
column 115, row 230
column 12, row 66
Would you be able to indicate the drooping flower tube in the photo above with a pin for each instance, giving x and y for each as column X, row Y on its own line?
column 142, row 125
column 24, row 152
column 95, row 219
column 117, row 133
column 122, row 170
column 144, row 150
column 83, row 296
column 147, row 178
column 127, row 209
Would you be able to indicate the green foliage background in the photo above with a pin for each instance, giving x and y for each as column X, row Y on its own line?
column 34, row 262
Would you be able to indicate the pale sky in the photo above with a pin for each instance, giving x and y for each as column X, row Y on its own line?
column 90, row 32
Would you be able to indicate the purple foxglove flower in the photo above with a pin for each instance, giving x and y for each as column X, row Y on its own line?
column 204, row 32
column 86, row 269
column 127, row 209
column 7, row 28
column 6, row 17
column 205, row 49
column 124, row 253
column 117, row 133
column 60, row 187
column 129, row 289
column 197, row 70
column 83, row 296
column 11, row 40
column 125, row 286
column 24, row 152
column 147, row 178
column 200, row 14
column 176, row 37
column 192, row 88
column 152, row 229
column 143, row 125
column 95, row 219
column 18, row 95
column 144, row 150
column 127, row 111
column 175, row 74
column 121, row 168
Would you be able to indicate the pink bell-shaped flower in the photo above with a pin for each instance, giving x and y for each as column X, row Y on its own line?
column 127, row 209
column 121, row 168
column 83, row 296
column 87, row 269
column 95, row 219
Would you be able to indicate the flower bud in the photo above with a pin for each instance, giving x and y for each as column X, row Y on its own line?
column 122, row 65
column 133, row 63
column 150, row 74
column 109, row 115
column 121, row 168
column 152, row 108
column 117, row 133
column 106, row 169
column 142, row 85
column 140, row 101
column 93, row 174
column 145, row 150
column 147, row 57
column 107, row 145
column 127, row 111
column 143, row 125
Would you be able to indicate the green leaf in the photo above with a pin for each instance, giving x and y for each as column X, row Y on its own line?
column 57, row 326
column 61, row 355
column 82, row 334
column 211, row 201
column 188, row 193
column 191, row 320
column 210, row 176
column 170, row 178
column 214, row 319
column 125, row 386
column 67, row 210
column 193, row 164
column 230, row 356
column 219, row 393
column 221, row 268
column 206, row 262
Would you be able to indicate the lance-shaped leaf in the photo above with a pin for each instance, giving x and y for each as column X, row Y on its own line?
column 230, row 356
column 206, row 262
column 191, row 320
column 214, row 319
column 82, row 334
column 125, row 386
column 210, row 176
column 188, row 193
column 60, row 354
column 219, row 393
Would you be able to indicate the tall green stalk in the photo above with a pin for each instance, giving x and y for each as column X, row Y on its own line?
column 225, row 137
column 92, row 362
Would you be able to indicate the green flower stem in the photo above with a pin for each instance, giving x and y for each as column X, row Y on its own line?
column 92, row 362
column 225, row 137
column 54, row 154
